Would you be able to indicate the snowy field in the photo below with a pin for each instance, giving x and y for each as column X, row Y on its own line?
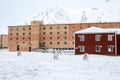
column 42, row 66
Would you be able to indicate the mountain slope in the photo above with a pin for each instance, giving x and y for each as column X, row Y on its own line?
column 108, row 12
column 57, row 15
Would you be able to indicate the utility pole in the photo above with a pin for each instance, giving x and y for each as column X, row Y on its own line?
column 83, row 17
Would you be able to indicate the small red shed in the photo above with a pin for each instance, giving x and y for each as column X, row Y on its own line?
column 96, row 40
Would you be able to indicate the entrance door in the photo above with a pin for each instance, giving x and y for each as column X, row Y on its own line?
column 18, row 47
column 118, row 48
column 29, row 49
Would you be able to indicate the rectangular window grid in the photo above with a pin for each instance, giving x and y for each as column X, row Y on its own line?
column 97, row 37
column 82, row 48
column 82, row 38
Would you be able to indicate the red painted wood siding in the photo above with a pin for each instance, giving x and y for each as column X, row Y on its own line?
column 118, row 44
column 90, row 44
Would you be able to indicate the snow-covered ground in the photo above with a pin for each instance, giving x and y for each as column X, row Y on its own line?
column 42, row 66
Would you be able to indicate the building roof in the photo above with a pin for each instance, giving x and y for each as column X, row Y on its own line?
column 115, row 29
column 82, row 23
column 92, row 30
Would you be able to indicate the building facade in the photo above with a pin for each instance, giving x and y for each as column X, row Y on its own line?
column 96, row 40
column 57, row 36
column 3, row 41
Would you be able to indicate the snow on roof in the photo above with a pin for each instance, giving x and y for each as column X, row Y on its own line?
column 117, row 30
column 94, row 29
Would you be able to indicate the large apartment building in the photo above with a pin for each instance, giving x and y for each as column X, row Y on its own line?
column 3, row 41
column 57, row 36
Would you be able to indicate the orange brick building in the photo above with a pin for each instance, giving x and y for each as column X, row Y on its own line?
column 57, row 36
column 3, row 41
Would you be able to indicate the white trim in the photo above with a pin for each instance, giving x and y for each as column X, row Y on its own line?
column 83, row 48
column 110, row 37
column 110, row 49
column 74, row 43
column 99, row 48
column 115, row 44
column 97, row 37
column 82, row 37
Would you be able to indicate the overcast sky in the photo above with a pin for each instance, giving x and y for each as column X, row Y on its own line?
column 14, row 11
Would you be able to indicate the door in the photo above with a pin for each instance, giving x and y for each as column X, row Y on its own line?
column 29, row 49
column 18, row 47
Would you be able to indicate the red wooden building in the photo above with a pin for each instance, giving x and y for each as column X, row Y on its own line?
column 96, row 40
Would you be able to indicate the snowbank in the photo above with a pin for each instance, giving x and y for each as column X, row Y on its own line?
column 42, row 66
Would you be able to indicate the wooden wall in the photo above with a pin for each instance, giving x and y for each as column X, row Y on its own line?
column 90, row 44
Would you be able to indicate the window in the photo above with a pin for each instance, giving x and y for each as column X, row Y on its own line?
column 82, row 37
column 58, row 27
column 110, row 37
column 23, row 28
column 29, row 38
column 58, row 42
column 65, row 32
column 65, row 42
column 29, row 33
column 23, row 38
column 50, row 32
column 80, row 27
column 29, row 28
column 65, row 27
column 43, row 28
column 17, row 38
column 97, row 37
column 82, row 48
column 72, row 42
column 65, row 37
column 58, row 37
column 43, row 33
column 98, row 48
column 43, row 43
column 110, row 48
column 50, row 27
column 50, row 42
column 17, row 34
column 50, row 37
column 58, row 32
column 23, row 33
column 10, row 38
column 10, row 34
column 43, row 38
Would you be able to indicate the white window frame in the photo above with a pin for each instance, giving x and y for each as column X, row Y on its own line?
column 98, row 48
column 82, row 48
column 110, row 48
column 97, row 37
column 110, row 37
column 82, row 37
